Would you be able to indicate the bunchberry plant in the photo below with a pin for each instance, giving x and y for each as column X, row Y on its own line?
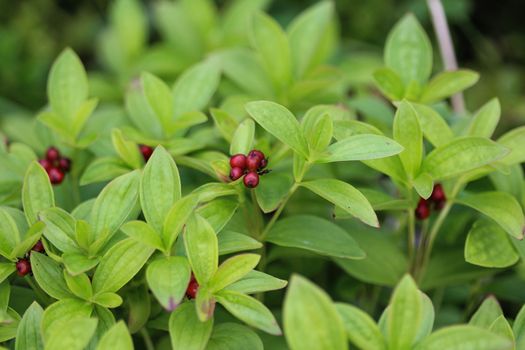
column 165, row 200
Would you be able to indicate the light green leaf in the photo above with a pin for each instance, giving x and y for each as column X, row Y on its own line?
column 218, row 212
column 487, row 313
column 318, row 129
column 361, row 147
column 447, row 84
column 80, row 285
column 390, row 83
column 81, row 116
column 160, row 187
column 257, row 282
column 249, row 310
column 103, row 169
column 346, row 197
column 78, row 263
column 225, row 123
column 60, row 229
column 6, row 269
column 79, row 332
column 176, row 218
column 488, row 245
column 464, row 338
column 158, row 95
column 424, row 184
column 232, row 242
column 302, row 231
column 232, row 270
column 143, row 233
column 202, row 248
column 434, row 127
column 9, row 234
column 460, row 156
column 502, row 327
column 37, row 193
column 514, row 140
column 500, row 207
column 408, row 50
column 168, row 279
column 58, row 315
column 204, row 303
column 49, row 276
column 127, row 150
column 270, row 192
column 242, row 139
column 116, row 338
column 107, row 300
column 518, row 328
column 67, row 86
column 311, row 320
column 279, row 122
column 128, row 18
column 187, row 331
column 408, row 134
column 233, row 336
column 486, row 119
column 28, row 336
column 361, row 329
column 427, row 317
column 119, row 265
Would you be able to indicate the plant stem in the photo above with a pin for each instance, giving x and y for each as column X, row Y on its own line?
column 411, row 244
column 147, row 339
column 278, row 212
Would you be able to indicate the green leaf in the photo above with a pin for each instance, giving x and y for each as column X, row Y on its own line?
column 168, row 279
column 514, row 140
column 460, row 156
column 232, row 242
column 140, row 112
column 408, row 50
column 79, row 332
column 486, row 119
column 225, row 123
column 302, row 231
column 49, row 276
column 279, row 122
column 488, row 245
column 502, row 327
column 463, row 338
column 218, row 212
column 78, row 263
column 232, row 270
column 361, row 329
column 128, row 151
column 9, row 234
column 447, row 84
column 434, row 127
column 242, row 139
column 270, row 192
column 271, row 43
column 202, row 248
column 60, row 229
column 204, row 303
column 257, row 282
column 424, row 184
column 80, row 285
column 114, row 203
column 519, row 328
column 500, row 207
column 249, row 310
column 187, row 331
column 37, row 193
column 195, row 87
column 361, row 147
column 158, row 95
column 427, row 317
column 307, row 35
column 6, row 269
column 317, row 129
column 28, row 336
column 389, row 83
column 404, row 315
column 116, row 338
column 81, row 116
column 103, row 169
column 58, row 315
column 234, row 336
column 143, row 233
column 119, row 265
column 107, row 299
column 139, row 303
column 67, row 87
column 129, row 21
column 160, row 187
column 487, row 313
column 176, row 218
column 408, row 134
column 346, row 197
column 310, row 318
column 212, row 190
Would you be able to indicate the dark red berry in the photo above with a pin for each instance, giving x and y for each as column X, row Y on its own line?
column 236, row 173
column 438, row 194
column 422, row 209
column 56, row 176
column 256, row 153
column 52, row 154
column 238, row 161
column 46, row 164
column 38, row 247
column 251, row 180
column 264, row 163
column 146, row 151
column 23, row 267
column 64, row 164
column 192, row 289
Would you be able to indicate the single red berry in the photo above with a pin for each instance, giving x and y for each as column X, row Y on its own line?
column 56, row 176
column 422, row 209
column 52, row 154
column 439, row 205
column 146, row 151
column 38, row 247
column 251, row 180
column 238, row 161
column 64, row 164
column 256, row 153
column 438, row 194
column 192, row 289
column 23, row 267
column 236, row 173
column 264, row 163
column 46, row 164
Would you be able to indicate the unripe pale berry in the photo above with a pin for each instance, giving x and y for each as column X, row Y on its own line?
column 238, row 161
column 236, row 173
column 23, row 267
column 423, row 209
column 56, row 176
column 251, row 180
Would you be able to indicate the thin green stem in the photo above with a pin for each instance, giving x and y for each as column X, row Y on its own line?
column 147, row 339
column 277, row 213
column 411, row 244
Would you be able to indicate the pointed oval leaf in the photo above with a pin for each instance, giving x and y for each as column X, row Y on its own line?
column 49, row 276
column 407, row 132
column 242, row 139
column 176, row 218
column 486, row 119
column 116, row 338
column 79, row 332
column 234, row 336
column 202, row 248
column 144, row 233
column 168, row 279
column 187, row 331
column 256, row 282
column 361, row 147
column 464, row 338
column 232, row 270
column 361, row 329
column 448, row 83
column 28, row 336
column 37, row 193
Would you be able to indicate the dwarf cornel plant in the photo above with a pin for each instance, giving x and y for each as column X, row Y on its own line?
column 187, row 193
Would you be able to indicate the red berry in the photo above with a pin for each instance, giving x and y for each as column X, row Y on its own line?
column 238, row 161
column 192, row 289
column 438, row 194
column 46, row 164
column 23, row 267
column 56, row 176
column 52, row 154
column 236, row 173
column 251, row 180
column 264, row 163
column 64, row 164
column 256, row 153
column 422, row 209
column 146, row 151
column 38, row 247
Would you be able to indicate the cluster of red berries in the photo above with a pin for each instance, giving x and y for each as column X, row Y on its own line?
column 55, row 165
column 23, row 266
column 251, row 167
column 437, row 199
column 193, row 287
column 146, row 151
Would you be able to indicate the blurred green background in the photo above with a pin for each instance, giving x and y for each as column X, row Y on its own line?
column 489, row 37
